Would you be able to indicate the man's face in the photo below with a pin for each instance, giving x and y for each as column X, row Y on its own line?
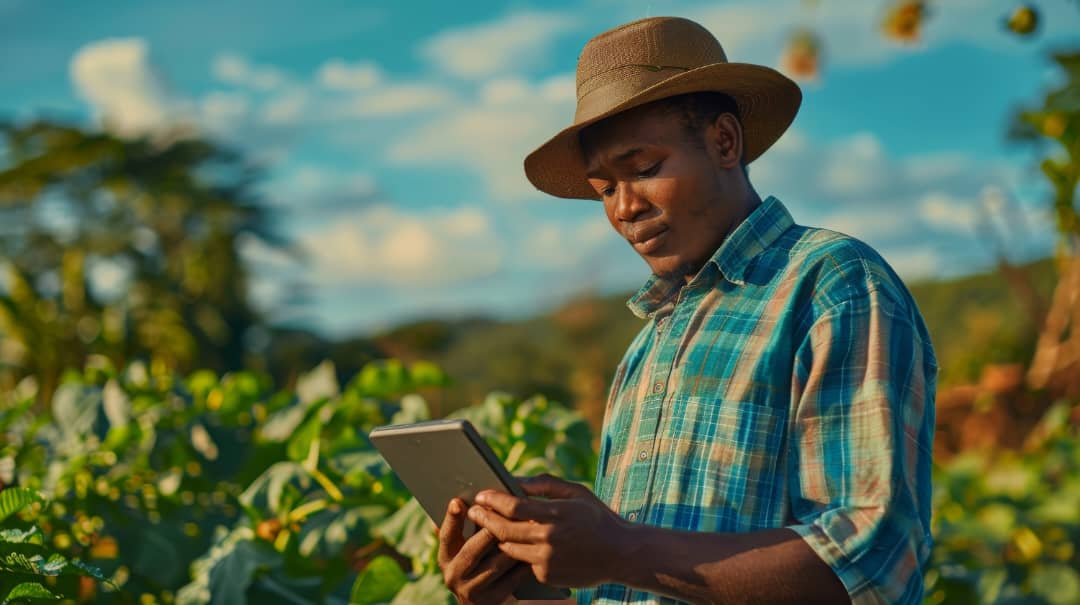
column 672, row 194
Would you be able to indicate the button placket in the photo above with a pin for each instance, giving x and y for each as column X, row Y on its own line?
column 668, row 343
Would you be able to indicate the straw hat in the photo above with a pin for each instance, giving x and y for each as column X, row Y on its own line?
column 647, row 60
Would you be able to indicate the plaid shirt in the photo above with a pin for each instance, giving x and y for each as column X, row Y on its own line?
column 789, row 384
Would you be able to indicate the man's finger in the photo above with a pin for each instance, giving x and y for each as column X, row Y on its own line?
column 504, row 529
column 547, row 486
column 510, row 580
column 493, row 566
column 473, row 551
column 526, row 553
column 451, row 538
column 512, row 507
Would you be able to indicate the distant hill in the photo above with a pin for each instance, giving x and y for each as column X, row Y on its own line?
column 570, row 353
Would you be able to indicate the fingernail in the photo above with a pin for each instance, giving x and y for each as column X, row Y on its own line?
column 481, row 498
column 474, row 513
column 455, row 507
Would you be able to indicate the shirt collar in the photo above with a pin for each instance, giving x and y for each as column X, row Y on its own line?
column 755, row 234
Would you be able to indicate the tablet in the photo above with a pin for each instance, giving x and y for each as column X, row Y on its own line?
column 439, row 460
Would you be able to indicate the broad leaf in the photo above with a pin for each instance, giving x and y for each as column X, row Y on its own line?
column 29, row 591
column 379, row 582
column 428, row 590
column 14, row 499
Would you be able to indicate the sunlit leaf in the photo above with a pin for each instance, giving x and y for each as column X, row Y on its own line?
column 14, row 499
column 429, row 589
column 29, row 591
column 378, row 583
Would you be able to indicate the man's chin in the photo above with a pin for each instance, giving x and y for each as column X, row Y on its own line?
column 672, row 267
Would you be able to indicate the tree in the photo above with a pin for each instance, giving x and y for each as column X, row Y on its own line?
column 126, row 248
column 1056, row 123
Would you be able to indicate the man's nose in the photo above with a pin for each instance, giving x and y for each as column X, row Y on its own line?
column 629, row 202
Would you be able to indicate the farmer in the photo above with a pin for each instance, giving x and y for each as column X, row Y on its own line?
column 768, row 433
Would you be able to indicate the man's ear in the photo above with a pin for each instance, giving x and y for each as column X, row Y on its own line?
column 724, row 138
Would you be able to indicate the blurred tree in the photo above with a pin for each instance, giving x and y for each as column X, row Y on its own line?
column 122, row 247
column 1055, row 126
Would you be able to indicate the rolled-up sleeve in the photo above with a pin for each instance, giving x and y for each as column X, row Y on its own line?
column 862, row 431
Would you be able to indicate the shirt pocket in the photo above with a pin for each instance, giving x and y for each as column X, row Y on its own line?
column 719, row 464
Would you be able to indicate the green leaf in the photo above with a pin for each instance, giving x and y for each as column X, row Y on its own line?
column 320, row 383
column 18, row 536
column 223, row 575
column 29, row 590
column 413, row 409
column 379, row 582
column 28, row 558
column 282, row 423
column 300, row 443
column 14, row 499
column 1058, row 584
column 408, row 530
column 428, row 590
column 265, row 492
column 427, row 374
column 75, row 408
column 117, row 404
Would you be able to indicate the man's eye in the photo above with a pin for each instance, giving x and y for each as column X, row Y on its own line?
column 607, row 191
column 650, row 171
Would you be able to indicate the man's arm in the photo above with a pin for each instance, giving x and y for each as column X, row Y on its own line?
column 767, row 566
column 574, row 539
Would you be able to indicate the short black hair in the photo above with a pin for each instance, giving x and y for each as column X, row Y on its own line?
column 699, row 109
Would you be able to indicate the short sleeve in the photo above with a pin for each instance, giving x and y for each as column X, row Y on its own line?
column 862, row 431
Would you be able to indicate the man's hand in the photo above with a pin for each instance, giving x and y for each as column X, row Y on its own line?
column 475, row 571
column 573, row 539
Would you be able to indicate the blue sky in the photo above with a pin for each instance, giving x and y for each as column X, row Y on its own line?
column 394, row 133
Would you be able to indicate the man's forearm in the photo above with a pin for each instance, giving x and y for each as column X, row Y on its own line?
column 767, row 566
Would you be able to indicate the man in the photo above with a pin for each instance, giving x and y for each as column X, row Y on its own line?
column 767, row 437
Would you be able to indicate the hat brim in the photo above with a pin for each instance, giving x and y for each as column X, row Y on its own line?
column 767, row 100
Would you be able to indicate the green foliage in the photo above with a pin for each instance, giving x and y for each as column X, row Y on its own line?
column 1007, row 526
column 24, row 560
column 216, row 489
column 1057, row 122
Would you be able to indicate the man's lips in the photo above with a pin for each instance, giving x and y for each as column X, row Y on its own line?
column 649, row 238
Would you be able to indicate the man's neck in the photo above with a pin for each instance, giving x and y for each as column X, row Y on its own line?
column 752, row 201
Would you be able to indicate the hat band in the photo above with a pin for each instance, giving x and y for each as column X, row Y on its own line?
column 620, row 85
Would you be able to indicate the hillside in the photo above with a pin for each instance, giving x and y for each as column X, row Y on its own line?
column 570, row 353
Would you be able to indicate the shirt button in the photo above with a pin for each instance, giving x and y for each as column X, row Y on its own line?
column 632, row 516
column 643, row 455
column 656, row 388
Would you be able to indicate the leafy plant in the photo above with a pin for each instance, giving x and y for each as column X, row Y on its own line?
column 30, row 569
column 1007, row 525
column 211, row 489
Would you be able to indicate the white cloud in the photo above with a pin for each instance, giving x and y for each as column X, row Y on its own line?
column 397, row 99
column 235, row 69
column 560, row 246
column 287, row 108
column 119, row 81
column 925, row 212
column 507, row 45
column 916, row 262
column 319, row 191
column 493, row 136
column 337, row 74
column 385, row 246
column 220, row 109
column 947, row 212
